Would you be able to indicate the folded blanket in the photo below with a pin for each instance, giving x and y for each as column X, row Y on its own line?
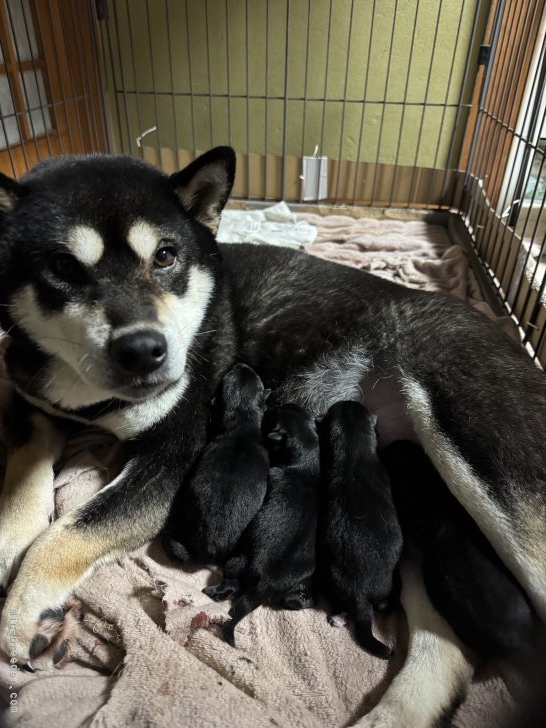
column 148, row 650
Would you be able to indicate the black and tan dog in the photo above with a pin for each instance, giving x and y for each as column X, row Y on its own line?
column 124, row 312
column 226, row 486
column 359, row 540
column 275, row 560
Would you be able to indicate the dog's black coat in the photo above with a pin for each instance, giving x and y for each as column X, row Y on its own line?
column 465, row 579
column 359, row 540
column 227, row 484
column 276, row 559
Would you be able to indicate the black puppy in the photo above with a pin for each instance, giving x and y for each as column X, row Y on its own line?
column 276, row 559
column 466, row 581
column 227, row 485
column 359, row 539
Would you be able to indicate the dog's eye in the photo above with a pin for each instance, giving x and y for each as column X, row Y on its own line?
column 65, row 267
column 165, row 258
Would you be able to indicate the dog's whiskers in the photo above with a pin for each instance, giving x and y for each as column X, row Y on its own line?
column 58, row 338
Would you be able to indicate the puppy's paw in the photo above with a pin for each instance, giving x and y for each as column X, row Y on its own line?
column 337, row 620
column 226, row 589
column 296, row 600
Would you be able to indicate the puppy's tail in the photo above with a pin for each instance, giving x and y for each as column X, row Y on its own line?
column 363, row 622
column 243, row 606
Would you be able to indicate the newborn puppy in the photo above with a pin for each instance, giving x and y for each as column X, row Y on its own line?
column 467, row 582
column 359, row 539
column 227, row 485
column 276, row 560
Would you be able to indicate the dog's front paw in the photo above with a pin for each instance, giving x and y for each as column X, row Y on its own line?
column 38, row 636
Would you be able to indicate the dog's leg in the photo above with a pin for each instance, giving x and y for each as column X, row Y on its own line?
column 510, row 514
column 437, row 670
column 121, row 517
column 26, row 499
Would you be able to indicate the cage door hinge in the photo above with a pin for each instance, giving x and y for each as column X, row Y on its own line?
column 484, row 55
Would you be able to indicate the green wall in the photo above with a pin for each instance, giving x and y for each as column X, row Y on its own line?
column 376, row 81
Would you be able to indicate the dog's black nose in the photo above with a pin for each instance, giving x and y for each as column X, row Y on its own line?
column 140, row 352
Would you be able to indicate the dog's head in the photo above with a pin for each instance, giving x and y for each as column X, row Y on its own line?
column 108, row 268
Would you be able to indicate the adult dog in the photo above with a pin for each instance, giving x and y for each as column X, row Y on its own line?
column 123, row 311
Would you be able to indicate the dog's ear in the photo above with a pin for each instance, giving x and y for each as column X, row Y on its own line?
column 10, row 190
column 204, row 185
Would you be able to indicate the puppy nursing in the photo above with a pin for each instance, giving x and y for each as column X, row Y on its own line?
column 267, row 539
column 227, row 485
column 359, row 538
column 276, row 559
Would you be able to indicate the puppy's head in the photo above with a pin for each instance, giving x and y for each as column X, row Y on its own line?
column 240, row 398
column 108, row 268
column 290, row 434
column 347, row 432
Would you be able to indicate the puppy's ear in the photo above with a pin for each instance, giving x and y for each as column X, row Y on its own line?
column 10, row 190
column 204, row 185
column 276, row 436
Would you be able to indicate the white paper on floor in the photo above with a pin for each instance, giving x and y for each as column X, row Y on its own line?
column 275, row 225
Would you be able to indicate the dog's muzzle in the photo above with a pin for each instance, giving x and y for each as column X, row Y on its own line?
column 140, row 352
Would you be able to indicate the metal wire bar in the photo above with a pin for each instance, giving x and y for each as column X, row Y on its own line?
column 285, row 109
column 305, row 81
column 209, row 82
column 140, row 122
column 228, row 76
column 404, row 102
column 190, row 75
column 381, row 128
column 449, row 158
column 152, row 71
column 411, row 198
column 326, row 71
column 171, row 76
column 538, row 83
column 504, row 106
column 86, row 77
column 123, row 91
column 343, row 112
column 364, row 99
column 72, row 86
column 21, row 115
column 35, row 71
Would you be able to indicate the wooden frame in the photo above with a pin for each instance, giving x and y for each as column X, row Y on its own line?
column 66, row 36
